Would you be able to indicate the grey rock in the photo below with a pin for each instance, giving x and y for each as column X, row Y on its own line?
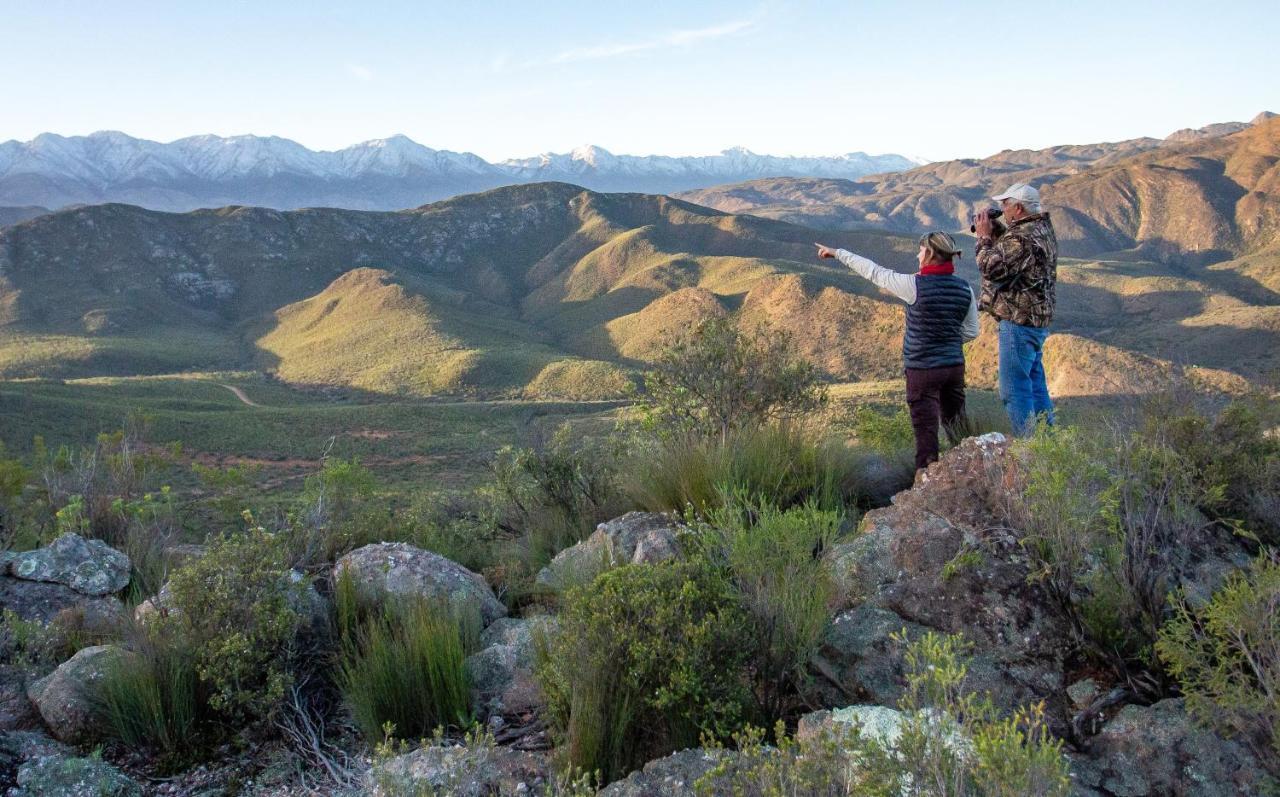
column 1083, row 693
column 399, row 569
column 1158, row 751
column 64, row 697
column 43, row 601
column 481, row 771
column 72, row 776
column 858, row 660
column 501, row 672
column 673, row 775
column 90, row 567
column 634, row 538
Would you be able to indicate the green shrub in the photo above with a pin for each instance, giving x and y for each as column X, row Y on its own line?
column 403, row 665
column 719, row 379
column 154, row 700
column 647, row 659
column 237, row 607
column 150, row 526
column 41, row 646
column 951, row 743
column 773, row 561
column 782, row 464
column 1226, row 656
column 887, row 433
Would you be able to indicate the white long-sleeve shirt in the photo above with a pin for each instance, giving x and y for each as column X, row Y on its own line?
column 903, row 286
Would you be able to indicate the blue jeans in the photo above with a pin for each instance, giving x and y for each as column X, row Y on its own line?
column 1022, row 384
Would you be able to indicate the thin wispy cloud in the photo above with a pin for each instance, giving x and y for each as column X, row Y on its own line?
column 360, row 72
column 671, row 39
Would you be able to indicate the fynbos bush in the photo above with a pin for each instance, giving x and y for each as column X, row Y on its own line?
column 646, row 660
column 1226, row 655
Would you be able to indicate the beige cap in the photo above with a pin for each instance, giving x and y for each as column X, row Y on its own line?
column 1019, row 192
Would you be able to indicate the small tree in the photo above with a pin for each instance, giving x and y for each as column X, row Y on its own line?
column 720, row 378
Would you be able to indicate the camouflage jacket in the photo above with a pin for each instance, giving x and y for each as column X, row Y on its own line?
column 1020, row 272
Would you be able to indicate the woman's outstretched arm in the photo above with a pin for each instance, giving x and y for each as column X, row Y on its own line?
column 901, row 285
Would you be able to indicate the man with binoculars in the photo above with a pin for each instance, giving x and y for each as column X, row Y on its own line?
column 1019, row 276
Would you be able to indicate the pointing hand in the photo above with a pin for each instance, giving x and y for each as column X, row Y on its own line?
column 825, row 252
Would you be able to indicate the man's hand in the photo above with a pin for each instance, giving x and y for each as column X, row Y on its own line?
column 982, row 225
column 825, row 252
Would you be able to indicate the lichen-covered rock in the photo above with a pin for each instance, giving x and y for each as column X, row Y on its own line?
column 476, row 771
column 43, row 601
column 64, row 697
column 90, row 567
column 858, row 660
column 672, row 776
column 72, row 776
column 634, row 538
column 1158, row 751
column 938, row 559
column 399, row 569
column 303, row 598
column 501, row 672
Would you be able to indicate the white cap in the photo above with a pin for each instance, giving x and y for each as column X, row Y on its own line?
column 1019, row 192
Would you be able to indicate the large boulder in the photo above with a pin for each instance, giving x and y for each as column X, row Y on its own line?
column 474, row 771
column 1157, row 751
column 399, row 569
column 65, row 697
column 634, row 538
column 501, row 672
column 940, row 559
column 43, row 601
column 90, row 567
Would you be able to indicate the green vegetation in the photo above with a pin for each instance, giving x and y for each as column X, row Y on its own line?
column 647, row 659
column 1110, row 517
column 154, row 697
column 947, row 743
column 239, row 611
column 400, row 666
column 1226, row 656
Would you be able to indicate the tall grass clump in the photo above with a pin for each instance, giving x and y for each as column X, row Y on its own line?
column 153, row 699
column 403, row 665
column 773, row 560
column 782, row 464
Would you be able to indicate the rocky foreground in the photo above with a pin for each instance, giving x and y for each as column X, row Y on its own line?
column 939, row 558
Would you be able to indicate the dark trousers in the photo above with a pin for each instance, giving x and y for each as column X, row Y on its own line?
column 934, row 392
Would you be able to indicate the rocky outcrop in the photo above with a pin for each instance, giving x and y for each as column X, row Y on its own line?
column 501, row 672
column 1157, row 751
column 634, row 538
column 939, row 559
column 64, row 698
column 398, row 569
column 476, row 771
column 90, row 567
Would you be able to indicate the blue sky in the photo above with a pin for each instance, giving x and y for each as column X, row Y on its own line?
column 505, row 79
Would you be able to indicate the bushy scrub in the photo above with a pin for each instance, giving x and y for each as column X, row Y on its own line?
column 1226, row 656
column 720, row 378
column 647, row 659
column 948, row 743
column 773, row 560
column 236, row 607
column 783, row 464
column 401, row 666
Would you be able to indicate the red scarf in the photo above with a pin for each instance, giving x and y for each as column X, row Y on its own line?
column 938, row 267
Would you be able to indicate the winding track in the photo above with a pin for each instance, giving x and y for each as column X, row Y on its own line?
column 240, row 395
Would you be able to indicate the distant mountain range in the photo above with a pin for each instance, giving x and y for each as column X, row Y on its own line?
column 1209, row 194
column 385, row 174
column 548, row 290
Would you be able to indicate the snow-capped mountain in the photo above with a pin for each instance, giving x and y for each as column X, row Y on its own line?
column 382, row 174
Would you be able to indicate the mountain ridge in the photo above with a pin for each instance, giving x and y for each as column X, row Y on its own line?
column 379, row 174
